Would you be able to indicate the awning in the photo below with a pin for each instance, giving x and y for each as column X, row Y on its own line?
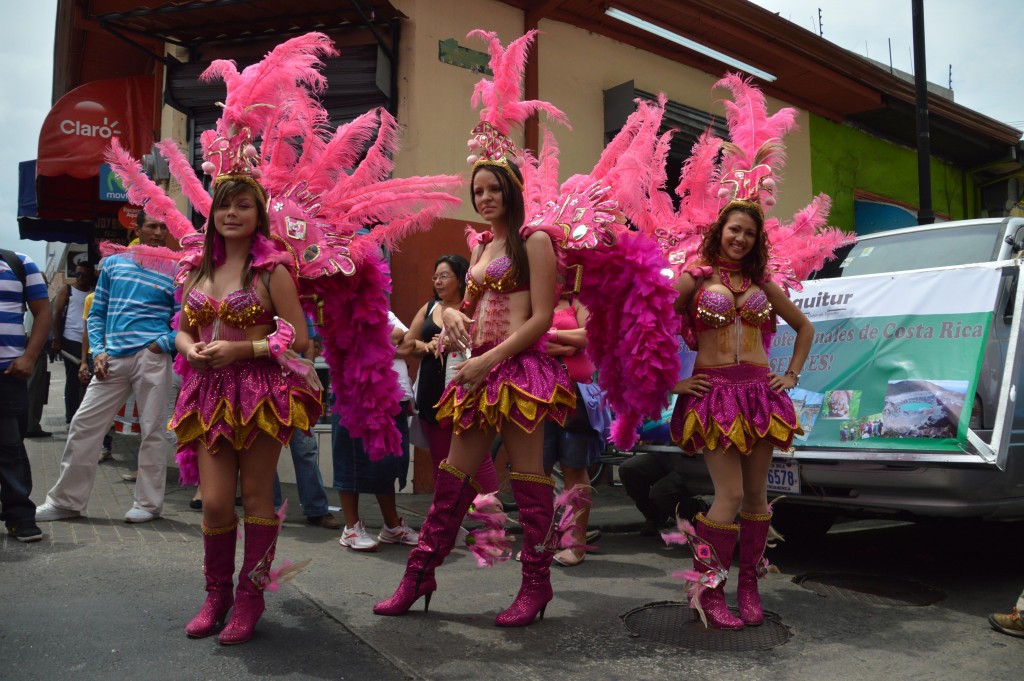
column 74, row 137
column 31, row 226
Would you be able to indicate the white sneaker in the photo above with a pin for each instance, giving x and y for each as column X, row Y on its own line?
column 357, row 539
column 139, row 515
column 403, row 534
column 106, row 455
column 48, row 512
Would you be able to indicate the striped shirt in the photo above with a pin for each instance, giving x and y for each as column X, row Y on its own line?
column 131, row 309
column 12, row 314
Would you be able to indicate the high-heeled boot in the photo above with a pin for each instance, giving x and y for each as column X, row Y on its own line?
column 535, row 497
column 260, row 545
column 753, row 566
column 713, row 568
column 219, row 569
column 454, row 491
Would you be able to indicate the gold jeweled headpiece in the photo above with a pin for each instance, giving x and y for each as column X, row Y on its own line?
column 491, row 148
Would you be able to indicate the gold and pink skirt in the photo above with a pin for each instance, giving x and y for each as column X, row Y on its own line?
column 236, row 403
column 524, row 389
column 738, row 411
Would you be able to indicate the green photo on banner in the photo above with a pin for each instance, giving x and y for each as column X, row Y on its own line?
column 895, row 358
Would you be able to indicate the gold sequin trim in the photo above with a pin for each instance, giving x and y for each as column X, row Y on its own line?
column 264, row 418
column 532, row 407
column 756, row 318
column 530, row 477
column 756, row 517
column 214, row 531
column 741, row 434
column 256, row 520
column 445, row 466
column 703, row 520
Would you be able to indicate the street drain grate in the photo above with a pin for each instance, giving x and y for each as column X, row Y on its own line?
column 673, row 623
column 872, row 589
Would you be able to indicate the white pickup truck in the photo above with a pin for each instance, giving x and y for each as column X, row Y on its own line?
column 909, row 396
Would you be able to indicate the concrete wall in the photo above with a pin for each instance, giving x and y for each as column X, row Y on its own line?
column 845, row 160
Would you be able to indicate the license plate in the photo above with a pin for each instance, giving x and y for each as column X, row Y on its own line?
column 784, row 476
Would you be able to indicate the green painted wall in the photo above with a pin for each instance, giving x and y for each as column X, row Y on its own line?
column 844, row 159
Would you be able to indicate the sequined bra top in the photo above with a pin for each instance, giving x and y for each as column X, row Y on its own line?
column 497, row 278
column 239, row 310
column 716, row 309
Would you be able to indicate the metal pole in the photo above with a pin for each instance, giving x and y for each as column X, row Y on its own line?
column 925, row 216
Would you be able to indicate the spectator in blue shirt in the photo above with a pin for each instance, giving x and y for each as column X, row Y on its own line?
column 131, row 340
column 17, row 359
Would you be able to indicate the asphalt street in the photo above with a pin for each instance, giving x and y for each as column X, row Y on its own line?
column 101, row 599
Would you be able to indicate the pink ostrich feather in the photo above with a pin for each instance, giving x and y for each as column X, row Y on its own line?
column 144, row 192
column 377, row 164
column 540, row 175
column 807, row 241
column 156, row 258
column 183, row 172
column 489, row 546
column 631, row 331
column 502, row 96
column 254, row 92
column 750, row 126
column 357, row 344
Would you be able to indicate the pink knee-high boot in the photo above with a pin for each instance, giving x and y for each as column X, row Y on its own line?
column 219, row 568
column 260, row 545
column 534, row 495
column 713, row 567
column 753, row 566
column 454, row 491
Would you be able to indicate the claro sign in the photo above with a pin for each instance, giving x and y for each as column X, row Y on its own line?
column 106, row 129
column 78, row 129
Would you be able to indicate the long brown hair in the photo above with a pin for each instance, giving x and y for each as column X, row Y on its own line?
column 214, row 242
column 515, row 210
column 755, row 263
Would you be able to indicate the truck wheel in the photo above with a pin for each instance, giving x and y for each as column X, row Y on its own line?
column 800, row 524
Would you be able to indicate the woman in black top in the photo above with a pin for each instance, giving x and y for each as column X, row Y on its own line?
column 449, row 282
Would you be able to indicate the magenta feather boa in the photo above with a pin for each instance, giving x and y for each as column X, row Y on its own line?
column 357, row 346
column 632, row 331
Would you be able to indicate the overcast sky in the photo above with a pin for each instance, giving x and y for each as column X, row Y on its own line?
column 981, row 39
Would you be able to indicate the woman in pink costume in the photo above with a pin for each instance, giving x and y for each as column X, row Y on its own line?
column 508, row 385
column 238, row 406
column 449, row 282
column 732, row 407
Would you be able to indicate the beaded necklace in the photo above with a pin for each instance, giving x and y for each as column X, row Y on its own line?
column 725, row 272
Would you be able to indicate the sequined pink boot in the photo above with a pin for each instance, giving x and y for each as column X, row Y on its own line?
column 534, row 495
column 260, row 544
column 219, row 568
column 714, row 567
column 753, row 566
column 454, row 491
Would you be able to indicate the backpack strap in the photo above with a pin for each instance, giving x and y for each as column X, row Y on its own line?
column 18, row 267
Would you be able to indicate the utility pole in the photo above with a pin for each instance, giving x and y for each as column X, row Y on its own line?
column 925, row 216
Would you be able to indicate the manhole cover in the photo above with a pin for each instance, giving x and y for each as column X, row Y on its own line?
column 673, row 623
column 873, row 589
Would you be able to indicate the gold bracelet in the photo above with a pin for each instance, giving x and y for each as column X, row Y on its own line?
column 260, row 348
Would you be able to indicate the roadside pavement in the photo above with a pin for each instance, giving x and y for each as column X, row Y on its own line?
column 102, row 599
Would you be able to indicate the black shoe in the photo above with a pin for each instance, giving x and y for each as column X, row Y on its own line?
column 196, row 504
column 38, row 433
column 25, row 532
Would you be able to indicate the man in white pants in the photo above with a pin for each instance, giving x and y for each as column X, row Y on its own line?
column 132, row 340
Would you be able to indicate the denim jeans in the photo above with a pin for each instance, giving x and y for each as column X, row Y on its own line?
column 15, row 473
column 306, row 458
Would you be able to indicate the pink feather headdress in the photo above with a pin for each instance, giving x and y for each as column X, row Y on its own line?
column 503, row 104
column 721, row 174
column 333, row 208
